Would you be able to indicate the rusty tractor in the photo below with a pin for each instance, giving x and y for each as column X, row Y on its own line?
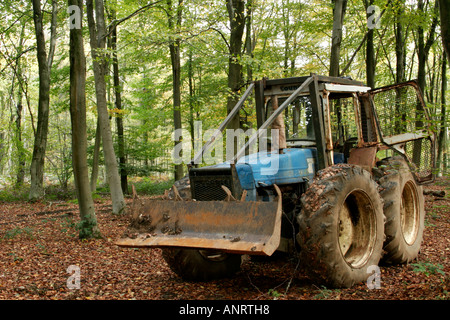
column 339, row 186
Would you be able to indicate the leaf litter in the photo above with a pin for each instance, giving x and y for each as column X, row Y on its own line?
column 39, row 242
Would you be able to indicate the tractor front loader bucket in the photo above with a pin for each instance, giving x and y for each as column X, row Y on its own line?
column 244, row 227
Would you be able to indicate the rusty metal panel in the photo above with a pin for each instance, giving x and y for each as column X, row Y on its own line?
column 364, row 157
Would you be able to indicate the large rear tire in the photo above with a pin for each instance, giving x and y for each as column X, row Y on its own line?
column 403, row 208
column 341, row 226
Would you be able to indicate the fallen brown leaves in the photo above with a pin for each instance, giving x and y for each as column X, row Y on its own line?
column 38, row 243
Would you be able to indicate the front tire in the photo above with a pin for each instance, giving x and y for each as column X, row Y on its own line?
column 201, row 265
column 341, row 226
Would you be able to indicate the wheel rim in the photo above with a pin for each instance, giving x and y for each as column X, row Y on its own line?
column 409, row 213
column 357, row 228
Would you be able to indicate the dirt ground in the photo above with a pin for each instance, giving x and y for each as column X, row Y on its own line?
column 41, row 257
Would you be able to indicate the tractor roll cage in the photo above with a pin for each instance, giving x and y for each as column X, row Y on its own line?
column 284, row 87
column 313, row 85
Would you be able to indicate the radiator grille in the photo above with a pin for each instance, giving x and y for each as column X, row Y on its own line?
column 206, row 183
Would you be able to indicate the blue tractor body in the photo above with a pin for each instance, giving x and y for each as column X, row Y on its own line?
column 266, row 168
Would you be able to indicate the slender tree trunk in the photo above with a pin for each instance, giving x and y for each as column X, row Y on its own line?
column 424, row 47
column 287, row 36
column 97, row 31
column 443, row 130
column 370, row 60
column 400, row 66
column 2, row 132
column 95, row 158
column 444, row 8
column 20, row 150
column 191, row 98
column 174, row 19
column 422, row 55
column 19, row 143
column 89, row 227
column 40, row 142
column 248, row 38
column 400, row 49
column 235, row 80
column 336, row 38
column 370, row 53
column 118, row 104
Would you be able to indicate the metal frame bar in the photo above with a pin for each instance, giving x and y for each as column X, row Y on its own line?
column 318, row 123
column 224, row 124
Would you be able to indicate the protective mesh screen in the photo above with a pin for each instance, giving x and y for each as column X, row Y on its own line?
column 400, row 111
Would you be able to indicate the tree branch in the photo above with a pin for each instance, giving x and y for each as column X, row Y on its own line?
column 116, row 22
column 434, row 23
column 354, row 54
column 362, row 42
column 53, row 35
column 223, row 36
column 15, row 58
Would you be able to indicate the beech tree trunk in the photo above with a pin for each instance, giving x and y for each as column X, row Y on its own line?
column 424, row 46
column 44, row 64
column 191, row 98
column 174, row 18
column 336, row 38
column 19, row 107
column 444, row 8
column 443, row 121
column 118, row 105
column 400, row 49
column 249, row 46
column 400, row 65
column 95, row 158
column 370, row 53
column 237, row 21
column 97, row 31
column 89, row 227
column 235, row 80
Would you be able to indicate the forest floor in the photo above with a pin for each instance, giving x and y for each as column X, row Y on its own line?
column 40, row 255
